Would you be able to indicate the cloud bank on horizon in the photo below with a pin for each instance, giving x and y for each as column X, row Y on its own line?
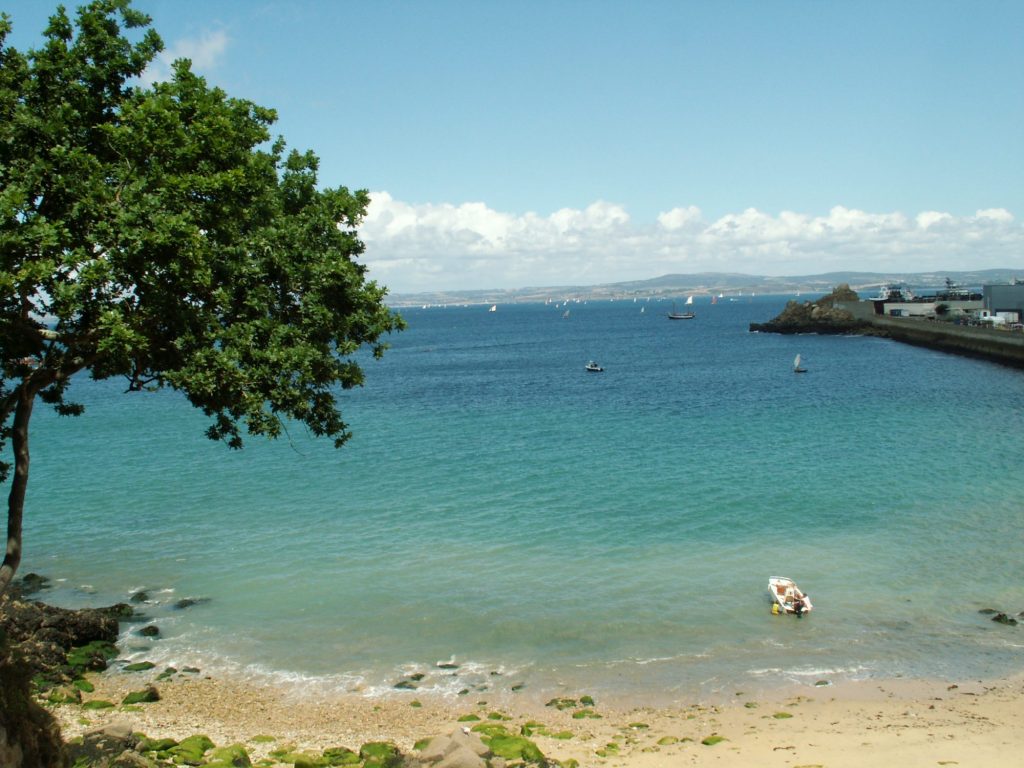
column 443, row 246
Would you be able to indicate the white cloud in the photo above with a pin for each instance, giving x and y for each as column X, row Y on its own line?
column 205, row 52
column 444, row 246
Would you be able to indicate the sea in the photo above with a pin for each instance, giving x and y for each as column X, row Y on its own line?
column 504, row 522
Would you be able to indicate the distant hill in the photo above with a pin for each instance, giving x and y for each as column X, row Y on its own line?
column 865, row 283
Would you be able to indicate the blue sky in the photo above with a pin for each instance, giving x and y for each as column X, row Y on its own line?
column 559, row 143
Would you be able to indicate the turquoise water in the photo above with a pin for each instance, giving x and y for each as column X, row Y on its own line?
column 607, row 532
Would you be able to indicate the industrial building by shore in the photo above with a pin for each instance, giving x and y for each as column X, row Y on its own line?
column 986, row 326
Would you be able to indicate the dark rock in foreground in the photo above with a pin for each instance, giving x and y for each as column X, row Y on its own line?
column 42, row 635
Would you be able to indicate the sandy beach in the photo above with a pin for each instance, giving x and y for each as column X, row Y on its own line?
column 905, row 723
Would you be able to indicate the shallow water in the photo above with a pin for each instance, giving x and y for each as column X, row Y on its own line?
column 611, row 532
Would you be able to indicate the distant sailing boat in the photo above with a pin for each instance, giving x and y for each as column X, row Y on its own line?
column 674, row 315
column 796, row 366
column 565, row 314
column 494, row 308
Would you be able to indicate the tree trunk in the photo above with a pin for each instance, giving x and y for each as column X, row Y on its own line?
column 16, row 500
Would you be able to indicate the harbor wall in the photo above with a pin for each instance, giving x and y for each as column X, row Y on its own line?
column 1006, row 347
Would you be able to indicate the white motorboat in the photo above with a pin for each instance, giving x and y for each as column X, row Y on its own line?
column 593, row 367
column 787, row 597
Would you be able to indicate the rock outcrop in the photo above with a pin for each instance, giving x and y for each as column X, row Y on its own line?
column 42, row 647
column 818, row 316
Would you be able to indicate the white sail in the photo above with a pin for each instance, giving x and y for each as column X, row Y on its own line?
column 689, row 299
column 796, row 361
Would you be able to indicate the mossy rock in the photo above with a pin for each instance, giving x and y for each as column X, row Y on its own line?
column 498, row 716
column 531, row 727
column 639, row 726
column 156, row 745
column 751, row 705
column 415, row 704
column 422, row 744
column 190, row 750
column 469, row 719
column 608, row 750
column 139, row 666
column 234, row 756
column 666, row 741
column 98, row 704
column 490, row 730
column 586, row 701
column 167, row 674
column 585, row 714
column 570, row 763
column 380, row 753
column 340, row 756
column 93, row 656
column 83, row 685
column 515, row 748
column 145, row 696
column 561, row 703
column 710, row 741
column 560, row 735
column 305, row 760
column 288, row 756
column 263, row 739
column 64, row 694
column 782, row 715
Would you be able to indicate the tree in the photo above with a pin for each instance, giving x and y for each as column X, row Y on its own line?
column 156, row 234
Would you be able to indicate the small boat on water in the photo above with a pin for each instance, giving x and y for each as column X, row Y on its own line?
column 787, row 597
column 796, row 366
column 687, row 315
column 593, row 367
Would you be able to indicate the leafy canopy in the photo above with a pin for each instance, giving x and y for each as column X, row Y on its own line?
column 157, row 234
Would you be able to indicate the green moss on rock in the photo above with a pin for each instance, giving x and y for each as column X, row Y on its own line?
column 562, row 703
column 490, row 730
column 98, row 704
column 156, row 745
column 380, row 754
column 139, row 666
column 146, row 695
column 191, row 749
column 515, row 748
column 340, row 756
column 93, row 656
column 233, row 756
column 710, row 741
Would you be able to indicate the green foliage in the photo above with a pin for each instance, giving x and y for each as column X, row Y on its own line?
column 155, row 233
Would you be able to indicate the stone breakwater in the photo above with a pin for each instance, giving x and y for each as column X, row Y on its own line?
column 842, row 313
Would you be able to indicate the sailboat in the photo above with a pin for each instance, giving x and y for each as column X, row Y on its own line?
column 494, row 308
column 687, row 315
column 796, row 365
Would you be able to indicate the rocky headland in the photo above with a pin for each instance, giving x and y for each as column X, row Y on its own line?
column 820, row 316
